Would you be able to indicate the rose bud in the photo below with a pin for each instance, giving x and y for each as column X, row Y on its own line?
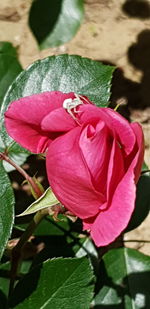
column 93, row 156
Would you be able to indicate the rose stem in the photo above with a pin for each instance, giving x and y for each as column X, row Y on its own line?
column 34, row 186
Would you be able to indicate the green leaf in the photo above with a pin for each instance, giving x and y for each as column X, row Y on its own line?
column 7, row 208
column 124, row 280
column 4, row 278
column 7, row 48
column 2, row 146
column 64, row 73
column 142, row 205
column 144, row 167
column 87, row 248
column 58, row 283
column 49, row 227
column 47, row 200
column 55, row 22
column 9, row 67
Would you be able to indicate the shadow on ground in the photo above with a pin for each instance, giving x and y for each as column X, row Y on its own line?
column 133, row 95
column 137, row 8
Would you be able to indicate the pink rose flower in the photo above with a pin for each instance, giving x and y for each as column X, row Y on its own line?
column 93, row 157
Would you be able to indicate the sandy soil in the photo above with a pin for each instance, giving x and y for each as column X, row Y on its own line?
column 116, row 32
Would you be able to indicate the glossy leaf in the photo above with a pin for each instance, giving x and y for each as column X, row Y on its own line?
column 9, row 67
column 123, row 280
column 87, row 248
column 47, row 200
column 7, row 208
column 64, row 73
column 55, row 22
column 9, row 70
column 142, row 205
column 58, row 283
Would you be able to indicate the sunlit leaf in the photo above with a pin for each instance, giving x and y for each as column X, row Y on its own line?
column 123, row 280
column 9, row 70
column 6, row 208
column 47, row 200
column 55, row 22
column 9, row 67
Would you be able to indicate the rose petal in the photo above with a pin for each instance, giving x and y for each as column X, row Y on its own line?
column 96, row 144
column 69, row 176
column 113, row 220
column 23, row 119
column 116, row 170
column 119, row 125
column 59, row 120
column 122, row 128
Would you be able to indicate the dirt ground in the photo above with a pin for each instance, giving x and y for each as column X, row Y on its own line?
column 116, row 32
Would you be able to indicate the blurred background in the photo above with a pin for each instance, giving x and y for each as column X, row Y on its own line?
column 114, row 32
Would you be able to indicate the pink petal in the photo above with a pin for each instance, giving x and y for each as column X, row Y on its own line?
column 111, row 222
column 117, row 124
column 122, row 128
column 116, row 170
column 69, row 176
column 95, row 143
column 59, row 120
column 29, row 137
column 23, row 119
